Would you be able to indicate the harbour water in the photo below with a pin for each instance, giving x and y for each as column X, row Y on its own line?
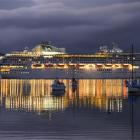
column 96, row 110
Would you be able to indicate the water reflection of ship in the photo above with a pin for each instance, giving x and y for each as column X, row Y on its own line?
column 103, row 103
column 40, row 104
column 35, row 104
column 26, row 88
column 50, row 113
column 114, row 105
column 2, row 102
column 101, row 94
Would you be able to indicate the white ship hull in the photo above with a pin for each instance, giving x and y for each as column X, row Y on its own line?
column 66, row 74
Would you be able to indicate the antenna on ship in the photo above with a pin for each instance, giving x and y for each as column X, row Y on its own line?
column 26, row 49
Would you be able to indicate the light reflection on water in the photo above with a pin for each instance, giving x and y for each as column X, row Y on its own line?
column 98, row 109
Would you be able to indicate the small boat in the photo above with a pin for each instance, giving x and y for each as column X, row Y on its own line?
column 133, row 86
column 127, row 82
column 74, row 83
column 58, row 88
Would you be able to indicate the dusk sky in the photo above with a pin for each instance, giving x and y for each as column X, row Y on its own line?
column 77, row 25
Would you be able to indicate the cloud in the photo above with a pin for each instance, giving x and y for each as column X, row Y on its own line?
column 57, row 15
column 14, row 4
column 69, row 23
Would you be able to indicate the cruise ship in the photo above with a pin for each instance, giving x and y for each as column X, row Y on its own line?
column 46, row 61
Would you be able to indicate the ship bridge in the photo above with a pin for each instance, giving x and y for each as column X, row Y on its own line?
column 45, row 48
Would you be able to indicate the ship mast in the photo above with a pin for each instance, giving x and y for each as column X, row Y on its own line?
column 132, row 61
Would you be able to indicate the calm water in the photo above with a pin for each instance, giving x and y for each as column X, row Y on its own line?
column 97, row 110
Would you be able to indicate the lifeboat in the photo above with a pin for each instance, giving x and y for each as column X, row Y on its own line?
column 37, row 66
column 49, row 65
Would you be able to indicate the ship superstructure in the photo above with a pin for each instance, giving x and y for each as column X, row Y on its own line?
column 48, row 61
